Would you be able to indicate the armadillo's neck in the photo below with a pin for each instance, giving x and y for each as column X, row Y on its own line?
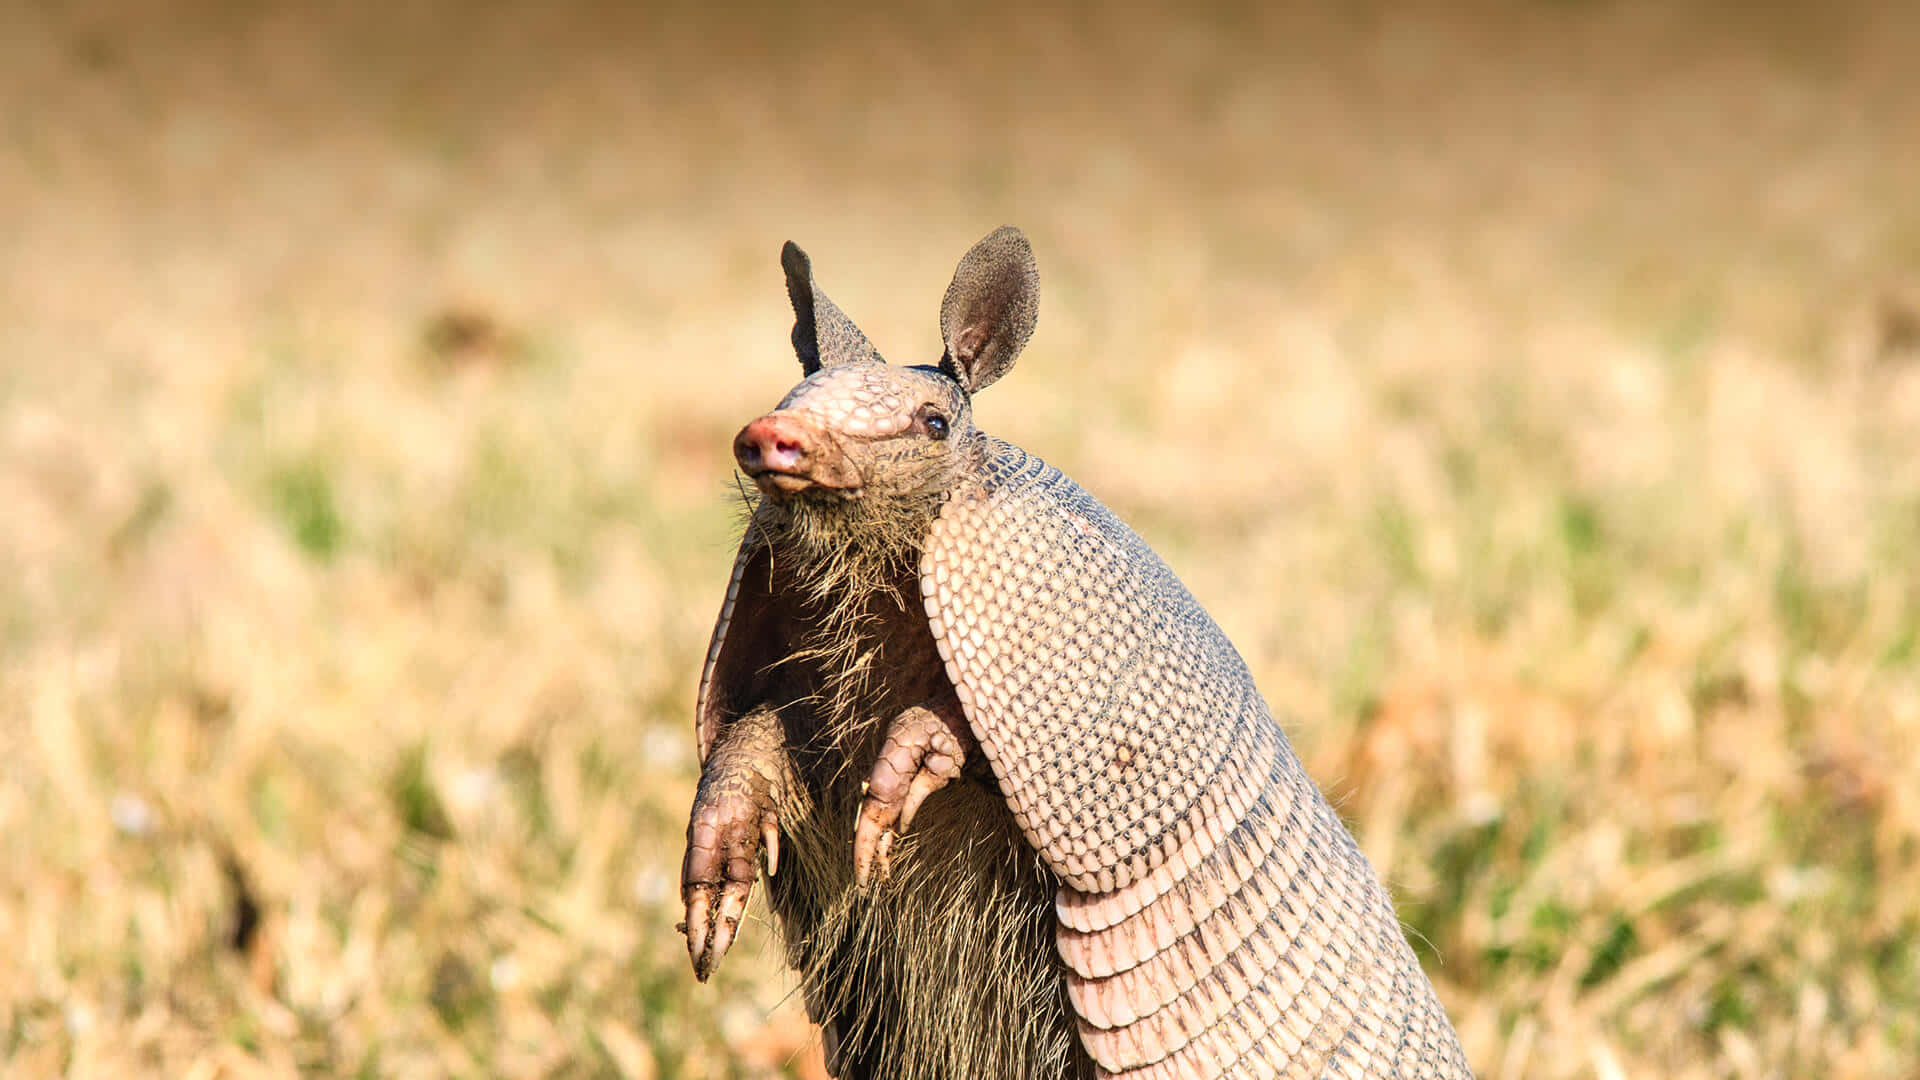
column 844, row 550
column 856, row 563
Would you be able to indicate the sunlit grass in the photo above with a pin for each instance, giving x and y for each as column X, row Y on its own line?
column 1530, row 394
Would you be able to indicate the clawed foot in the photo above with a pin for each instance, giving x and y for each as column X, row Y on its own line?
column 734, row 820
column 922, row 753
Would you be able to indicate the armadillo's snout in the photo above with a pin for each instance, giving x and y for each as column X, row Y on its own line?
column 786, row 453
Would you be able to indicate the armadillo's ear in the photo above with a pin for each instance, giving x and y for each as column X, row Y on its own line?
column 990, row 309
column 822, row 334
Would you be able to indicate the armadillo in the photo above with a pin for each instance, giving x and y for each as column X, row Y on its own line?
column 1020, row 808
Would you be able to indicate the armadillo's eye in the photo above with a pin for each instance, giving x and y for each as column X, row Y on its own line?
column 936, row 426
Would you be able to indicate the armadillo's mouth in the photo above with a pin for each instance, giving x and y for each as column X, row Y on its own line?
column 782, row 486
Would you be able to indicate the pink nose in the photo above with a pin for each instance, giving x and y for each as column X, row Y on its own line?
column 787, row 453
column 776, row 443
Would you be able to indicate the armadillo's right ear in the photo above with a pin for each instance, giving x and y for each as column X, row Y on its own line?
column 822, row 334
column 990, row 309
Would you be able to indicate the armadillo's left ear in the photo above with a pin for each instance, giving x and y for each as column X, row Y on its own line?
column 990, row 309
column 822, row 334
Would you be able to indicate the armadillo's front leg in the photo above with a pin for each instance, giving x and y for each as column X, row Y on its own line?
column 924, row 749
column 734, row 814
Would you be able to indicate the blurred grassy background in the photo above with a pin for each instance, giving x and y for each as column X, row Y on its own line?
column 1531, row 389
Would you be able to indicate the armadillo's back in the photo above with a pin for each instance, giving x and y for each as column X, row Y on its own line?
column 1217, row 918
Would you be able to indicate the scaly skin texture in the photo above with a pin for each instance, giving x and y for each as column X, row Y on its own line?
column 1216, row 917
column 1034, row 819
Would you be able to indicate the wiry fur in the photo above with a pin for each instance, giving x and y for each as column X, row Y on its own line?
column 848, row 547
column 947, row 969
column 855, row 561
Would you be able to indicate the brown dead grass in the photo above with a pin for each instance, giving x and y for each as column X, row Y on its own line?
column 1530, row 390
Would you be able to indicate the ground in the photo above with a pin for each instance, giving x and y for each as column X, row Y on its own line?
column 1532, row 390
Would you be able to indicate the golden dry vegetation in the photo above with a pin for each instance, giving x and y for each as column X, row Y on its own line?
column 1532, row 390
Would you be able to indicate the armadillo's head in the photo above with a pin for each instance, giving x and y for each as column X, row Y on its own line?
column 858, row 435
column 860, row 430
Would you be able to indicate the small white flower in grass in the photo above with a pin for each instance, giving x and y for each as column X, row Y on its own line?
column 503, row 974
column 473, row 789
column 130, row 813
column 1791, row 884
column 79, row 1018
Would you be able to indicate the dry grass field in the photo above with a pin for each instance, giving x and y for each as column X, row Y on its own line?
column 1531, row 389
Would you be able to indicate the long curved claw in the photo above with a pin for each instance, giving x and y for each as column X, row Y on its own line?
column 867, row 836
column 925, row 783
column 770, row 838
column 867, row 831
column 711, row 928
column 699, row 930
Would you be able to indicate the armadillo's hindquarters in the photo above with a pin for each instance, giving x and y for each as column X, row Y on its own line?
column 734, row 817
column 1263, row 948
